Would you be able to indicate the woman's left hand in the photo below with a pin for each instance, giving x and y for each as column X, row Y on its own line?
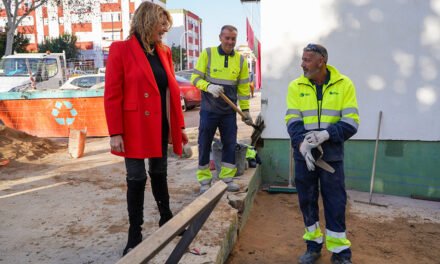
column 184, row 137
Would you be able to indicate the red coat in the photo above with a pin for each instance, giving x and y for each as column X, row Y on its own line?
column 132, row 100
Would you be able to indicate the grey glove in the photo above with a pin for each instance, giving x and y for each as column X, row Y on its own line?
column 215, row 90
column 306, row 150
column 317, row 137
column 247, row 118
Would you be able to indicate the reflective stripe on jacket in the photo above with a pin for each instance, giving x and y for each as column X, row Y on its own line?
column 337, row 112
column 230, row 71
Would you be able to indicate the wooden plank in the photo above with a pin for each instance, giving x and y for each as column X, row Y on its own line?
column 146, row 250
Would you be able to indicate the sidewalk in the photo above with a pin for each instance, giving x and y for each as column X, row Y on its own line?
column 62, row 210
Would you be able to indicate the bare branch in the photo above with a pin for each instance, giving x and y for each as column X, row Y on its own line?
column 14, row 15
column 32, row 7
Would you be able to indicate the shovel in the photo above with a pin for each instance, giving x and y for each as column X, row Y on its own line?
column 258, row 126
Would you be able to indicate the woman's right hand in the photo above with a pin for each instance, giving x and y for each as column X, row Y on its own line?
column 117, row 143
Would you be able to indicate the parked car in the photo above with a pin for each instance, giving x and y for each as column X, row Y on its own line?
column 182, row 103
column 76, row 72
column 190, row 95
column 84, row 81
column 185, row 74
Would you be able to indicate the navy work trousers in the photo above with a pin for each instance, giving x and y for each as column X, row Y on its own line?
column 227, row 125
column 334, row 198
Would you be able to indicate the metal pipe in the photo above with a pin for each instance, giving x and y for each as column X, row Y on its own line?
column 373, row 170
column 180, row 43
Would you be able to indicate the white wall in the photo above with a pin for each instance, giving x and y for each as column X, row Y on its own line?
column 125, row 12
column 52, row 14
column 390, row 49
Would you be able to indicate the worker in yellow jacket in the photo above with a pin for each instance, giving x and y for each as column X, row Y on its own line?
column 322, row 111
column 221, row 70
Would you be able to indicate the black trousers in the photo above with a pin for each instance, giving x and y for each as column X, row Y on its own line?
column 156, row 166
column 157, row 169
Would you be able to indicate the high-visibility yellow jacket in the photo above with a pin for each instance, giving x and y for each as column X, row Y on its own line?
column 337, row 112
column 230, row 71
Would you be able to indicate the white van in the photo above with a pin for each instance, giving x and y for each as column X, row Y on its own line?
column 39, row 71
column 101, row 70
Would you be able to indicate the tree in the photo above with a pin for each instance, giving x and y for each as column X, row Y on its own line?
column 175, row 51
column 62, row 43
column 17, row 10
column 20, row 43
column 13, row 8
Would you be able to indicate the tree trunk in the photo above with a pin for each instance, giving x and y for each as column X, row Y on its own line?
column 9, row 40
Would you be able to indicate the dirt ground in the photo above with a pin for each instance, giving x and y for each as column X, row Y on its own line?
column 55, row 209
column 407, row 231
column 17, row 145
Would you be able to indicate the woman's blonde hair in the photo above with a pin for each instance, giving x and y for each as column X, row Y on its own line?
column 145, row 20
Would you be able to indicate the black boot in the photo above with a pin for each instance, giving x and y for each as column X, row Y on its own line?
column 159, row 187
column 164, row 211
column 135, row 206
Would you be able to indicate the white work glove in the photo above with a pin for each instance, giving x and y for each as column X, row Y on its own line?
column 317, row 137
column 306, row 150
column 215, row 90
column 247, row 118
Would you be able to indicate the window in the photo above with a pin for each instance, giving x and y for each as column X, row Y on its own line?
column 31, row 37
column 111, row 17
column 51, row 67
column 111, row 35
column 87, row 82
column 27, row 21
column 19, row 66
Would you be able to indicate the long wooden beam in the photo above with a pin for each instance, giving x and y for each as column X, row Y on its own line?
column 146, row 250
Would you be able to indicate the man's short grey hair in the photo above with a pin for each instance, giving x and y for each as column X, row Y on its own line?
column 317, row 48
column 228, row 27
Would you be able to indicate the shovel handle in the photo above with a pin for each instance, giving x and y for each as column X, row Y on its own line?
column 231, row 104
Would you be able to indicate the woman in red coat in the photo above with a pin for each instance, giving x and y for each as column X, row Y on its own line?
column 143, row 111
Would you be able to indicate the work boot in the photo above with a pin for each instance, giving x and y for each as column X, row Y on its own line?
column 310, row 257
column 335, row 259
column 204, row 186
column 232, row 186
column 252, row 163
column 135, row 207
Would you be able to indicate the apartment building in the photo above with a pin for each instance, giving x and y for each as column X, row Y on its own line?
column 96, row 24
column 186, row 33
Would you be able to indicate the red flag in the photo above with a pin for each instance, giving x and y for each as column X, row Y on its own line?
column 249, row 35
column 258, row 67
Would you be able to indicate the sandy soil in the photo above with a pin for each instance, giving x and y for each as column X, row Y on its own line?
column 407, row 231
column 56, row 209
column 17, row 145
